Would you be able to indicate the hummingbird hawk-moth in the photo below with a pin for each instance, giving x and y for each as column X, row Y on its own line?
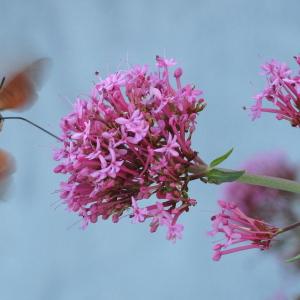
column 18, row 93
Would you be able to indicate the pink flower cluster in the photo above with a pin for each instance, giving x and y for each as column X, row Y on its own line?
column 267, row 204
column 129, row 140
column 282, row 92
column 261, row 202
column 238, row 228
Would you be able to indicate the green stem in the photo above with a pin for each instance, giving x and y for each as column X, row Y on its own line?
column 290, row 227
column 269, row 181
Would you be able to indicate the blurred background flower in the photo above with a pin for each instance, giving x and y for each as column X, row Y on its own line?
column 276, row 207
column 260, row 202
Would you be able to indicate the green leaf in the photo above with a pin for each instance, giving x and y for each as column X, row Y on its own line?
column 297, row 257
column 220, row 159
column 218, row 176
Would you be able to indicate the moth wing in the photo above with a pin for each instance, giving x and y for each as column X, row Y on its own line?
column 7, row 167
column 20, row 92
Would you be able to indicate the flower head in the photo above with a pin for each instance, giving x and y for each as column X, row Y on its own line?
column 129, row 140
column 282, row 92
column 241, row 232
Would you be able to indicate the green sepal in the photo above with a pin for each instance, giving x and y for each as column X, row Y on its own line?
column 295, row 258
column 220, row 159
column 218, row 176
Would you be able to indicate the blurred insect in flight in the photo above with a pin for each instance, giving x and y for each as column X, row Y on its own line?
column 18, row 93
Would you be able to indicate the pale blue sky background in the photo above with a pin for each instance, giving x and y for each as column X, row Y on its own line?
column 220, row 45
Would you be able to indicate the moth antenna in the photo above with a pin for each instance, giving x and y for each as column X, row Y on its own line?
column 2, row 82
column 33, row 124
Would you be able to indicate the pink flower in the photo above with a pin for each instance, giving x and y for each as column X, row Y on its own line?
column 114, row 80
column 256, row 109
column 175, row 232
column 240, row 231
column 169, row 148
column 276, row 71
column 139, row 214
column 129, row 140
column 135, row 125
column 282, row 93
column 164, row 62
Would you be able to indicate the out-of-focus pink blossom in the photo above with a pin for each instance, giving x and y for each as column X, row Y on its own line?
column 268, row 204
column 282, row 93
column 261, row 202
column 279, row 295
column 240, row 231
column 129, row 140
